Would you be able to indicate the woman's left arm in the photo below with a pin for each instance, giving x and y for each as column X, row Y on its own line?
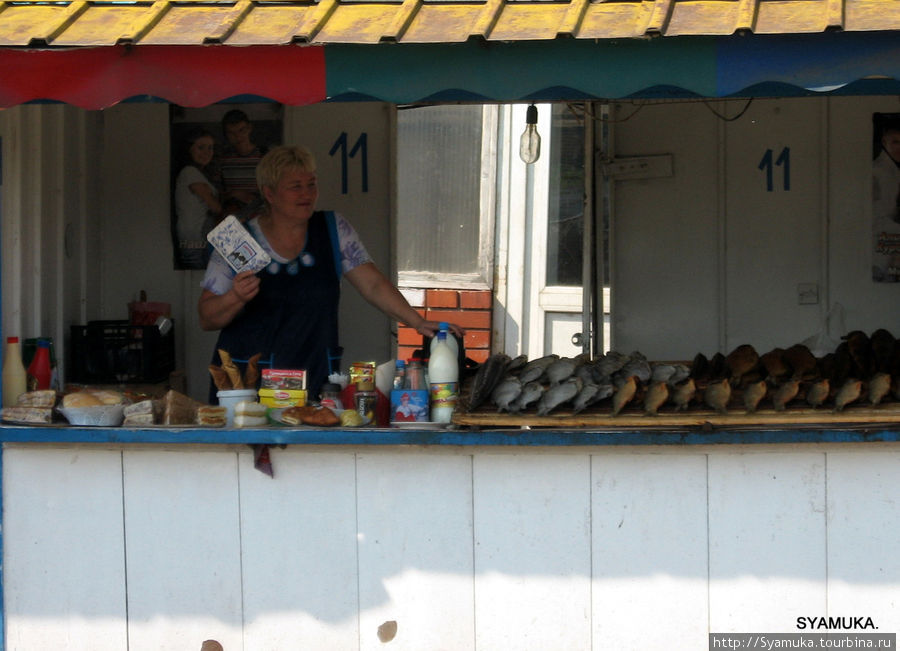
column 380, row 292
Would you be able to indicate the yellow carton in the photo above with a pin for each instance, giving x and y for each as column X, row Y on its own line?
column 282, row 397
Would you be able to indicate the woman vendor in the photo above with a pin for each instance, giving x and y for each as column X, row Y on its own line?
column 289, row 310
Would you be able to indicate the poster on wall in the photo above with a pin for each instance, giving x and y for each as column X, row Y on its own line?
column 214, row 153
column 886, row 197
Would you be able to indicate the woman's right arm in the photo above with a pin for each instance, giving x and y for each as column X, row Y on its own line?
column 218, row 310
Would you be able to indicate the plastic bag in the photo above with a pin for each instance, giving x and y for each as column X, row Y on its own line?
column 827, row 339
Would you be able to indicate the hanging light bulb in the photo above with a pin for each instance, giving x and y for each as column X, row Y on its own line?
column 530, row 144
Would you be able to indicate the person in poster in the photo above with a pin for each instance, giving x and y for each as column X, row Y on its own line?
column 239, row 133
column 886, row 198
column 197, row 204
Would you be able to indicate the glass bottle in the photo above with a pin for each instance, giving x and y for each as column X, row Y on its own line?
column 14, row 375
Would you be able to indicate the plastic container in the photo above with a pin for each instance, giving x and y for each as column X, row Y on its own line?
column 14, row 374
column 399, row 376
column 229, row 398
column 443, row 376
column 39, row 372
column 99, row 416
column 366, row 400
column 331, row 397
column 415, row 375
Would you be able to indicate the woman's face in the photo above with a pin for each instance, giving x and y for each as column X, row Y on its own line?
column 202, row 150
column 295, row 195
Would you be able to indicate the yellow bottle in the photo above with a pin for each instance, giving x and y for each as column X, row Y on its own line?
column 14, row 375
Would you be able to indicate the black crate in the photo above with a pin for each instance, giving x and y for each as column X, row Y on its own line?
column 109, row 352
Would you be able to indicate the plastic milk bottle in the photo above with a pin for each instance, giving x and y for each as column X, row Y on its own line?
column 443, row 376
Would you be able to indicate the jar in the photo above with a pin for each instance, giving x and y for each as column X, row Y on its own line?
column 331, row 396
column 366, row 398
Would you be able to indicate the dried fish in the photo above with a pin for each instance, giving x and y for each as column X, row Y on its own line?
column 740, row 361
column 557, row 395
column 516, row 363
column 624, row 394
column 717, row 395
column 486, row 378
column 585, row 397
column 531, row 392
column 505, row 392
column 785, row 393
column 818, row 392
column 879, row 387
column 534, row 369
column 611, row 362
column 560, row 370
column 683, row 393
column 656, row 396
column 753, row 394
column 849, row 392
column 661, row 372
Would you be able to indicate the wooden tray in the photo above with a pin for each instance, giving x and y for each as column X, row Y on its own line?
column 856, row 414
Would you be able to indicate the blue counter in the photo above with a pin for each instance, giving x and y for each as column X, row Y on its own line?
column 883, row 432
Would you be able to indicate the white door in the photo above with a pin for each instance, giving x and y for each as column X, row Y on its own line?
column 540, row 235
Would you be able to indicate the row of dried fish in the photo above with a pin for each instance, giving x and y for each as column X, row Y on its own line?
column 742, row 379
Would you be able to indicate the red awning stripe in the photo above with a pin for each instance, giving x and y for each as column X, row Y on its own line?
column 95, row 78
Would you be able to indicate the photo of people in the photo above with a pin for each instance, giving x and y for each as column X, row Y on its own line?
column 886, row 197
column 408, row 406
column 214, row 153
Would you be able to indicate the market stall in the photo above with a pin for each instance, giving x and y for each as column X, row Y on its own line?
column 506, row 531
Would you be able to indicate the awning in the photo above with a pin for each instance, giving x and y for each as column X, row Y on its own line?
column 96, row 53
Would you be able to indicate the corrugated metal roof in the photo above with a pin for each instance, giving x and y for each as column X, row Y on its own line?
column 273, row 22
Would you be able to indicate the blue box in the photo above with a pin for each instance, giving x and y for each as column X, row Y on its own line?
column 409, row 405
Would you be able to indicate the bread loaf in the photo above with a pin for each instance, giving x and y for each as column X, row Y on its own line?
column 81, row 399
column 43, row 398
column 211, row 416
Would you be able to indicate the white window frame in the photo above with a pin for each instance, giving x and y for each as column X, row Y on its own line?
column 482, row 276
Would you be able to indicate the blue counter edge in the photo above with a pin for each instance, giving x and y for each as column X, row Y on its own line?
column 872, row 433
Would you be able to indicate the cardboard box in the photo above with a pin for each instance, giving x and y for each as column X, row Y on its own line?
column 278, row 378
column 282, row 397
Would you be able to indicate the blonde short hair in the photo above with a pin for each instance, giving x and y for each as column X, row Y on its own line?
column 281, row 159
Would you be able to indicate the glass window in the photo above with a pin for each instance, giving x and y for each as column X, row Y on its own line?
column 443, row 171
column 565, row 217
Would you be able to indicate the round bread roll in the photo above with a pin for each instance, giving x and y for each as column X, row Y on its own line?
column 81, row 399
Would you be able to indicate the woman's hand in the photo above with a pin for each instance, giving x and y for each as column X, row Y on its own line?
column 217, row 311
column 245, row 286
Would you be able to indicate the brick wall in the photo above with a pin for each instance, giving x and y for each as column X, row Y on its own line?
column 470, row 309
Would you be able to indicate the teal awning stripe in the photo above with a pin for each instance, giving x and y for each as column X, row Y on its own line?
column 531, row 70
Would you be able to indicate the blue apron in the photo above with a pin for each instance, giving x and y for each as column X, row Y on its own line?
column 294, row 317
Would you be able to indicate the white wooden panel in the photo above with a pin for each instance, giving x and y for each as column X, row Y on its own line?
column 863, row 530
column 298, row 533
column 183, row 545
column 784, row 219
column 63, row 550
column 415, row 550
column 532, row 552
column 766, row 540
column 664, row 234
column 649, row 552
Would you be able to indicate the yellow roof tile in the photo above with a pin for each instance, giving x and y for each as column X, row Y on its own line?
column 270, row 22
